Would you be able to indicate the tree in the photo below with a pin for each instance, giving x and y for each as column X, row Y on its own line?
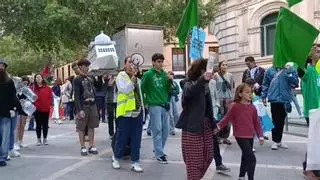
column 50, row 26
column 24, row 60
column 46, row 24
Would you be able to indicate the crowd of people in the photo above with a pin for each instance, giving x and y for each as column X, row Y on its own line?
column 211, row 105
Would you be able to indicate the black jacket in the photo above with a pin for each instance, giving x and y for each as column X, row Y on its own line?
column 258, row 78
column 194, row 104
column 8, row 99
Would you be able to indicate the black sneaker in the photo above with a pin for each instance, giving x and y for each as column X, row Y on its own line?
column 227, row 142
column 84, row 151
column 162, row 160
column 93, row 150
column 222, row 169
column 3, row 163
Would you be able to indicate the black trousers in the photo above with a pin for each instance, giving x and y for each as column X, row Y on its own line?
column 216, row 151
column 248, row 159
column 42, row 123
column 224, row 133
column 111, row 109
column 279, row 115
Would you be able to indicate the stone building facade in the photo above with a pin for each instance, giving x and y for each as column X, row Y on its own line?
column 247, row 28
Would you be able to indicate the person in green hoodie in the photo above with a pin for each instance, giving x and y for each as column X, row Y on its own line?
column 155, row 86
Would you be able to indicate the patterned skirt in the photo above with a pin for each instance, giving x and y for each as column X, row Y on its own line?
column 197, row 151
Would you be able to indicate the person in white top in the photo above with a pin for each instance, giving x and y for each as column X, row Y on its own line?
column 129, row 118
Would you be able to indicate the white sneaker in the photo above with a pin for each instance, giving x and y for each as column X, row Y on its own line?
column 13, row 153
column 8, row 158
column 39, row 143
column 115, row 163
column 253, row 150
column 136, row 168
column 283, row 146
column 16, row 146
column 274, row 146
column 22, row 145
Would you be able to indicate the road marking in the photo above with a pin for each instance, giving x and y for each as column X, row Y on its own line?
column 283, row 167
column 28, row 156
column 52, row 137
column 75, row 166
column 286, row 167
column 66, row 170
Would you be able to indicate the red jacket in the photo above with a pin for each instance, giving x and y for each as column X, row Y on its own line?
column 44, row 101
column 244, row 119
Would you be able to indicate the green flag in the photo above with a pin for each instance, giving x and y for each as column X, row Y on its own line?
column 294, row 39
column 293, row 2
column 189, row 19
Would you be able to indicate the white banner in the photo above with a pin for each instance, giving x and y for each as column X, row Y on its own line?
column 313, row 155
column 105, row 57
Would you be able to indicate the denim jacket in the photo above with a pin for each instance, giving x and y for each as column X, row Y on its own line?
column 277, row 86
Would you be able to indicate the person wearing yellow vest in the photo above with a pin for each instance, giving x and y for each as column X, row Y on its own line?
column 129, row 114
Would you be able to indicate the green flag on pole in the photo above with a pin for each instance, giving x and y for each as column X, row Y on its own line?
column 189, row 19
column 293, row 2
column 294, row 39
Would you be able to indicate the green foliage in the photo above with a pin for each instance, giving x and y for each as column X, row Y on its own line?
column 23, row 60
column 48, row 27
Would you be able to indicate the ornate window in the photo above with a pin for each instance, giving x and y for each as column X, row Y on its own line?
column 268, row 33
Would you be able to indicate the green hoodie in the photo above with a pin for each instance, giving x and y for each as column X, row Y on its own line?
column 155, row 87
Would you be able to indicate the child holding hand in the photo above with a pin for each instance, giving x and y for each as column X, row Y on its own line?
column 244, row 118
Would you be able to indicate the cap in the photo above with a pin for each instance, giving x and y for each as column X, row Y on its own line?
column 83, row 62
column 2, row 61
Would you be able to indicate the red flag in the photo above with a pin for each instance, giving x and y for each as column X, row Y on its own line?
column 46, row 71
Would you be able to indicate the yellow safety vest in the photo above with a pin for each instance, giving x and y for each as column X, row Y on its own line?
column 125, row 102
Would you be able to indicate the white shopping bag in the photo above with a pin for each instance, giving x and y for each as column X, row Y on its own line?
column 56, row 105
column 313, row 156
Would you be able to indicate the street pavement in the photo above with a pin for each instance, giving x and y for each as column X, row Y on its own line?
column 61, row 159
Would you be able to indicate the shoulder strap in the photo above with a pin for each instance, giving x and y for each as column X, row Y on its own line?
column 276, row 76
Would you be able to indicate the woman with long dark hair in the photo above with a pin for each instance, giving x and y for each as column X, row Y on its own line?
column 196, row 121
column 224, row 85
column 43, row 103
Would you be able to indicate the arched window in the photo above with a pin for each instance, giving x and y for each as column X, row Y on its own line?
column 268, row 33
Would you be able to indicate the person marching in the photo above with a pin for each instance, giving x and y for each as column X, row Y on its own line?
column 129, row 114
column 224, row 88
column 87, row 112
column 244, row 118
column 197, row 121
column 43, row 104
column 156, row 85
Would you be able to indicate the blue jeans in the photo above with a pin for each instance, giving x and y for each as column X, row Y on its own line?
column 31, row 123
column 173, row 113
column 101, row 106
column 13, row 125
column 129, row 129
column 5, row 123
column 160, row 128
